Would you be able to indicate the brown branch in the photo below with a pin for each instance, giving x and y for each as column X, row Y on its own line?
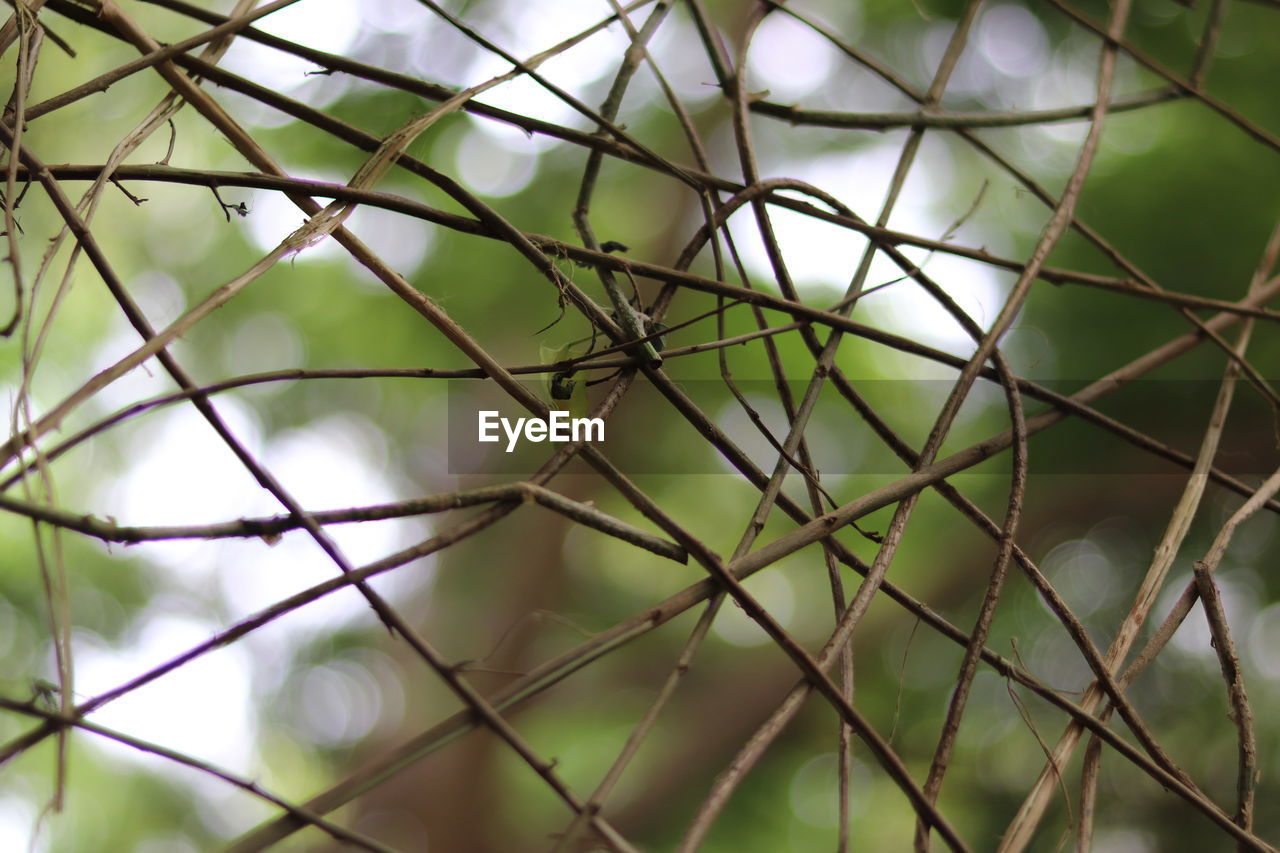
column 270, row 528
column 298, row 813
column 1237, row 697
column 595, row 258
column 1226, row 111
column 934, row 118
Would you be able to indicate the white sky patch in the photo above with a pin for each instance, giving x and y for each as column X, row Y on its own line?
column 185, row 475
column 788, row 58
column 527, row 97
column 509, row 136
column 159, row 296
column 17, row 821
column 335, row 463
column 905, row 308
column 819, row 253
column 145, row 381
column 1008, row 51
column 1239, row 593
column 265, row 341
column 203, row 708
column 1263, row 640
column 402, row 241
column 350, row 452
column 525, row 29
column 181, row 471
column 272, row 217
column 687, row 71
column 861, row 180
column 328, row 25
column 1071, row 78
column 339, row 702
column 1013, row 41
column 973, row 73
column 252, row 577
column 395, row 16
column 493, row 165
column 532, row 28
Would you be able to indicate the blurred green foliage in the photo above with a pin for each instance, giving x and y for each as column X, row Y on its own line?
column 1188, row 197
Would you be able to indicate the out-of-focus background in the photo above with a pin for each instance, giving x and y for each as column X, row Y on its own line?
column 298, row 705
